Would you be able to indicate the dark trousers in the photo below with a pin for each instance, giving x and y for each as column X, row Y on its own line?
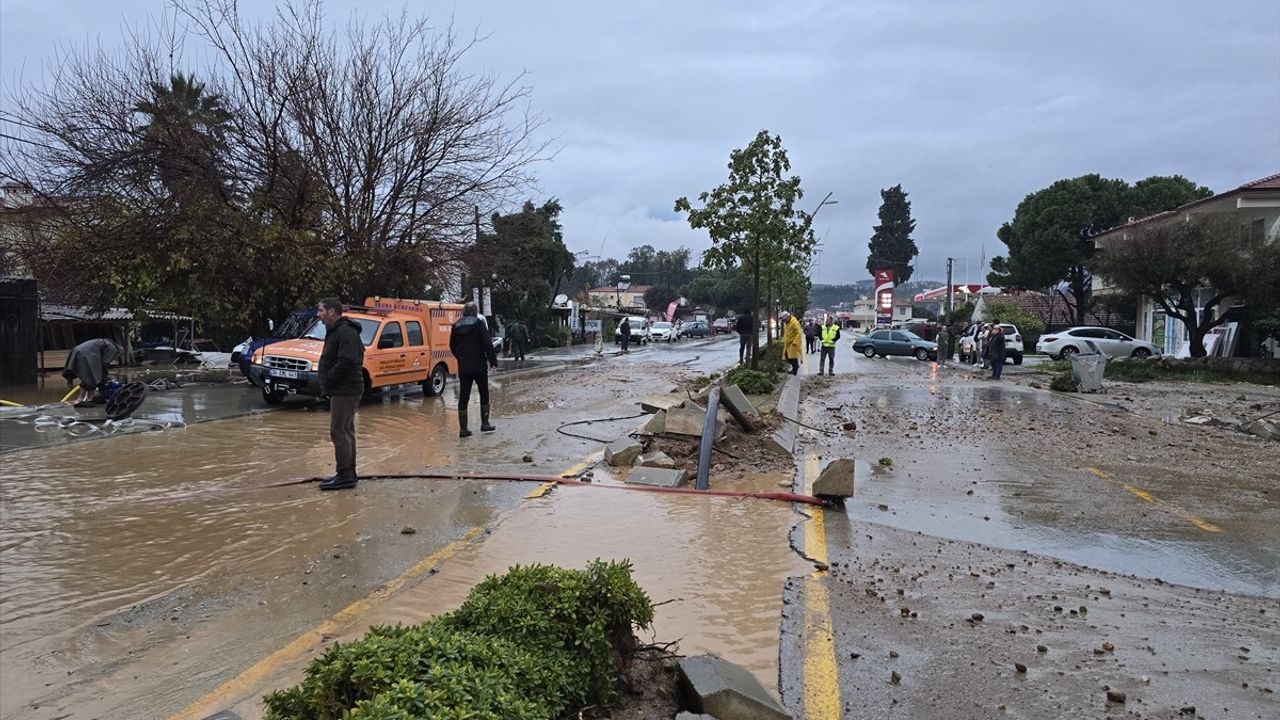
column 827, row 359
column 795, row 365
column 997, row 366
column 342, row 431
column 465, row 380
column 517, row 349
column 744, row 348
column 626, row 342
column 810, row 343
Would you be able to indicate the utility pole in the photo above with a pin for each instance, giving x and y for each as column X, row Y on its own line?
column 950, row 294
column 477, row 223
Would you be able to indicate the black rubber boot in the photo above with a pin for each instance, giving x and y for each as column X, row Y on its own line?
column 462, row 423
column 484, row 420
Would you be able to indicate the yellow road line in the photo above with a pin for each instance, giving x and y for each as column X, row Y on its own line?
column 1148, row 497
column 235, row 688
column 821, row 680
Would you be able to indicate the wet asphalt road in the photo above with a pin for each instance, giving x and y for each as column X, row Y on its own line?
column 983, row 506
column 159, row 564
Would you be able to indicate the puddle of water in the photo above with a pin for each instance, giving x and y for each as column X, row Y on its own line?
column 721, row 561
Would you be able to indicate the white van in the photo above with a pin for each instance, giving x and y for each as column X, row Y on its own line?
column 639, row 330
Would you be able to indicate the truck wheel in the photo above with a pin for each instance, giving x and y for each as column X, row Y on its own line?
column 273, row 397
column 434, row 384
column 869, row 351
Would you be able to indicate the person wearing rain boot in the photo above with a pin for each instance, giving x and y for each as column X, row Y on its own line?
column 471, row 345
column 342, row 380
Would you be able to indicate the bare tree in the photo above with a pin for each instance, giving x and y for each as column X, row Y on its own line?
column 372, row 145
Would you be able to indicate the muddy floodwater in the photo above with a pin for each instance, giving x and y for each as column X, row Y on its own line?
column 162, row 564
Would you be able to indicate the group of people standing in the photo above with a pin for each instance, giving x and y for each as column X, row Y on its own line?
column 342, row 381
column 816, row 336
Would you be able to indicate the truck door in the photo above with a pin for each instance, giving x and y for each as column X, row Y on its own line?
column 390, row 356
column 419, row 361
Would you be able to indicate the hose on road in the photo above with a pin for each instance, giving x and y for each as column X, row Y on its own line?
column 517, row 477
column 562, row 431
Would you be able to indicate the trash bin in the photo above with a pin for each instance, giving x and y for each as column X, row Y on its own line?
column 1088, row 368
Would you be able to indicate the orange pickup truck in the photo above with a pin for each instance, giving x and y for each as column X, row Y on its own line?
column 406, row 341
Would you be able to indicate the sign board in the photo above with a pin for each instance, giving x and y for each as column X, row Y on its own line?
column 884, row 298
column 574, row 316
column 594, row 326
column 486, row 302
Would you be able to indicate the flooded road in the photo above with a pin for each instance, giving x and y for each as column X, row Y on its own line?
column 160, row 565
column 1015, row 467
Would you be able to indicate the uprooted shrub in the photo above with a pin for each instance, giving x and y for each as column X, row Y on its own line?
column 537, row 642
column 1064, row 382
column 752, row 382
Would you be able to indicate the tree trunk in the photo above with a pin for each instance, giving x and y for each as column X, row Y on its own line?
column 755, row 304
column 1077, row 282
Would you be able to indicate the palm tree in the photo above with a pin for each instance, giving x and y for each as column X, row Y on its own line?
column 184, row 135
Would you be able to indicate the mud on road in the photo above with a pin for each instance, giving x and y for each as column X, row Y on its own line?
column 951, row 589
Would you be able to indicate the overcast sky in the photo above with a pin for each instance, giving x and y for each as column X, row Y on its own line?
column 969, row 105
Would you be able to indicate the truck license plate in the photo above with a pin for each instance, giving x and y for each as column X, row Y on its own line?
column 288, row 374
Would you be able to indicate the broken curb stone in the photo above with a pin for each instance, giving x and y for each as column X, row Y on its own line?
column 657, row 477
column 684, row 421
column 659, row 403
column 694, row 716
column 656, row 459
column 835, row 480
column 718, row 687
column 656, row 424
column 623, row 451
column 743, row 412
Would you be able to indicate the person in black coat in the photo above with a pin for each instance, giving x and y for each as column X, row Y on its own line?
column 342, row 381
column 996, row 351
column 472, row 346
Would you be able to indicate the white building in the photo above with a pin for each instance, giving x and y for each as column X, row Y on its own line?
column 1255, row 206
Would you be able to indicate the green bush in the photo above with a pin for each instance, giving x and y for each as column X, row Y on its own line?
column 534, row 643
column 752, row 382
column 1063, row 382
column 771, row 357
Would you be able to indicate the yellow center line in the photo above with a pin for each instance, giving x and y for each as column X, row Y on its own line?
column 821, row 680
column 237, row 688
column 1148, row 497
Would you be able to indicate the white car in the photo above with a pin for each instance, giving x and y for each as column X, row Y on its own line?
column 1112, row 343
column 639, row 330
column 664, row 331
column 968, row 343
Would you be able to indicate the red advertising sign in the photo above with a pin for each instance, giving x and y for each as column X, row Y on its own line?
column 884, row 297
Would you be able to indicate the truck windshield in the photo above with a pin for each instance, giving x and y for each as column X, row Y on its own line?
column 295, row 326
column 368, row 328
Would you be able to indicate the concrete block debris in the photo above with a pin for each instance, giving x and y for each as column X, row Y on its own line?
column 658, row 477
column 657, row 459
column 717, row 687
column 835, row 480
column 686, row 421
column 622, row 452
column 658, row 403
column 744, row 413
column 656, row 424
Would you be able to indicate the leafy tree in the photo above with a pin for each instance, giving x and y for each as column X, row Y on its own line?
column 725, row 291
column 1050, row 238
column 1005, row 310
column 752, row 218
column 891, row 246
column 594, row 273
column 1184, row 264
column 524, row 260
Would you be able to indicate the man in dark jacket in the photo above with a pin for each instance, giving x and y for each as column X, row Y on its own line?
column 747, row 334
column 471, row 345
column 519, row 336
column 624, row 333
column 342, row 380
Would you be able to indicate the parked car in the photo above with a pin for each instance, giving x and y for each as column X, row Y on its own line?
column 895, row 342
column 1112, row 343
column 663, row 331
column 722, row 326
column 639, row 330
column 967, row 345
column 295, row 326
column 696, row 328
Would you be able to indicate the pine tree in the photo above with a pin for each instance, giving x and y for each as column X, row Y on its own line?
column 892, row 247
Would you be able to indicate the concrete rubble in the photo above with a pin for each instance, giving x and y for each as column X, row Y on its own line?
column 1263, row 428
column 657, row 459
column 660, row 403
column 658, row 477
column 726, row 691
column 623, row 451
column 740, row 408
column 835, row 480
column 686, row 421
